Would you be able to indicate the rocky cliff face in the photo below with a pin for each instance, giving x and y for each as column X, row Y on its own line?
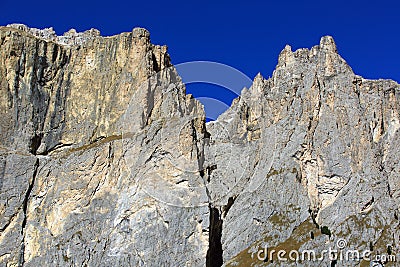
column 105, row 161
column 86, row 132
column 313, row 146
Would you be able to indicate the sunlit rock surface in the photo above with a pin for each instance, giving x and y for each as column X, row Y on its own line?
column 105, row 161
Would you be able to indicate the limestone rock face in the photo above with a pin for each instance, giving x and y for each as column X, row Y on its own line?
column 313, row 146
column 87, row 132
column 105, row 161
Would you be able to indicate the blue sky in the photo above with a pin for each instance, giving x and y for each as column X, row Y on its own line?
column 247, row 35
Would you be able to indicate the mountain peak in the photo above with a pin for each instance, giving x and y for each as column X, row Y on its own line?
column 328, row 44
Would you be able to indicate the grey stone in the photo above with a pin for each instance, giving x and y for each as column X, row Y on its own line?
column 105, row 161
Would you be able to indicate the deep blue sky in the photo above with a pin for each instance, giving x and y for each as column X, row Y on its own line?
column 247, row 35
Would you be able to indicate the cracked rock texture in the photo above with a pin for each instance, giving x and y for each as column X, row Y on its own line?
column 86, row 131
column 313, row 146
column 105, row 161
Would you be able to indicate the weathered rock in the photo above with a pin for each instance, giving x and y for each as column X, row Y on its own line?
column 105, row 161
column 86, row 132
column 314, row 144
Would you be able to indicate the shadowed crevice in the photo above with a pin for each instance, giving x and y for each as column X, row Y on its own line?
column 214, row 253
column 25, row 210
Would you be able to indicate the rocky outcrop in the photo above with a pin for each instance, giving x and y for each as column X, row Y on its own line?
column 105, row 161
column 72, row 37
column 313, row 146
column 87, row 131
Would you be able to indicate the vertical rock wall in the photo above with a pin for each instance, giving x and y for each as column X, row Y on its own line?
column 105, row 161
